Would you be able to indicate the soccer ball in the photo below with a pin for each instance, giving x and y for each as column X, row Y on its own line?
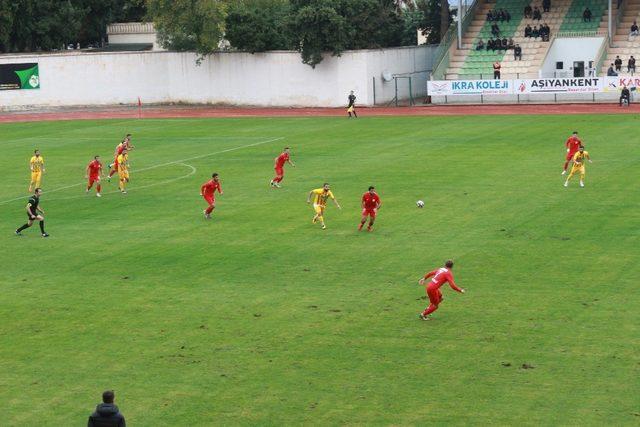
column 420, row 204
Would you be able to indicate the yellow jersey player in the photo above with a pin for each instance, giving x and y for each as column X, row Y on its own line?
column 578, row 166
column 320, row 196
column 123, row 171
column 36, row 165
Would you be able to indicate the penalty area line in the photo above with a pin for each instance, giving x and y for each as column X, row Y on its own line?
column 181, row 161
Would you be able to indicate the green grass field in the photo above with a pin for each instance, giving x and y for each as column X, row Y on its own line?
column 258, row 317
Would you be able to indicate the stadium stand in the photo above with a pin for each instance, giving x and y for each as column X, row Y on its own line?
column 564, row 16
column 574, row 22
column 624, row 44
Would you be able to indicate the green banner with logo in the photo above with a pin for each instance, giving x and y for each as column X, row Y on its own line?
column 19, row 76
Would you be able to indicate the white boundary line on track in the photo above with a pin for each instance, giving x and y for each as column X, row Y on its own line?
column 181, row 161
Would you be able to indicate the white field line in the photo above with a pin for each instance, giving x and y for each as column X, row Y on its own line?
column 191, row 173
column 255, row 144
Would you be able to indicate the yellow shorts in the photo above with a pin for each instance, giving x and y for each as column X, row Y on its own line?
column 36, row 176
column 579, row 169
column 318, row 208
column 350, row 109
column 123, row 175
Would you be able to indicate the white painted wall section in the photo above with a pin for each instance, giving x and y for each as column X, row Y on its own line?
column 262, row 79
column 570, row 50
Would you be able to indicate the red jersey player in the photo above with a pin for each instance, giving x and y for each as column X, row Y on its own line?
column 94, row 170
column 279, row 167
column 125, row 144
column 207, row 190
column 438, row 278
column 573, row 144
column 370, row 205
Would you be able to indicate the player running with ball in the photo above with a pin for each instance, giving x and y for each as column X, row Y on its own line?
column 578, row 166
column 370, row 205
column 438, row 277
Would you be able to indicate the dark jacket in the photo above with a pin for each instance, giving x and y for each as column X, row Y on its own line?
column 106, row 415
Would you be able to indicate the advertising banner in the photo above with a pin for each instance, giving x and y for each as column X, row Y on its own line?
column 469, row 87
column 615, row 84
column 559, row 85
column 19, row 76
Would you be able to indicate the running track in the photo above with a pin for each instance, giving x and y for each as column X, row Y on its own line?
column 204, row 111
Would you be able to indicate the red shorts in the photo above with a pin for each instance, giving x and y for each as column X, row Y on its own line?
column 279, row 171
column 93, row 179
column 434, row 294
column 210, row 199
column 369, row 212
column 570, row 155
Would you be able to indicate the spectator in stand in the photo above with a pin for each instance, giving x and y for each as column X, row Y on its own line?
column 631, row 65
column 505, row 43
column 107, row 413
column 480, row 45
column 611, row 72
column 490, row 15
column 489, row 44
column 495, row 30
column 634, row 29
column 536, row 14
column 546, row 5
column 511, row 44
column 626, row 95
column 535, row 33
column 500, row 15
column 517, row 53
column 586, row 15
column 545, row 32
column 527, row 31
column 618, row 64
column 527, row 11
column 496, row 70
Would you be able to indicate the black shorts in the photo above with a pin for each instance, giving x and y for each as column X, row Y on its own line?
column 32, row 216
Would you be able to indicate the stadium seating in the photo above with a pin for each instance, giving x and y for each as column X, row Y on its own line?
column 479, row 62
column 534, row 50
column 623, row 45
column 573, row 19
column 565, row 16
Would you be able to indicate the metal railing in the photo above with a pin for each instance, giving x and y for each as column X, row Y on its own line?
column 616, row 22
column 601, row 55
column 443, row 53
column 578, row 34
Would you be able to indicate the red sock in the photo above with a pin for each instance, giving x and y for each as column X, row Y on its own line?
column 209, row 210
column 99, row 188
column 277, row 179
column 430, row 310
column 113, row 172
column 89, row 186
column 566, row 164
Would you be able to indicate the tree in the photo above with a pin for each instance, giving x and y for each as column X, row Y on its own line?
column 189, row 25
column 259, row 25
column 317, row 28
column 43, row 24
column 431, row 25
column 371, row 24
column 104, row 12
column 6, row 25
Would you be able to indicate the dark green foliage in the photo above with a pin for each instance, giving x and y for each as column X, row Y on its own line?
column 41, row 25
column 259, row 25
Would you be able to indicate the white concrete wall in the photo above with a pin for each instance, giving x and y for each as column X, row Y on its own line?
column 569, row 50
column 262, row 79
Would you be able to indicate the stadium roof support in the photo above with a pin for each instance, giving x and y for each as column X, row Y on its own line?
column 609, row 23
column 460, row 23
